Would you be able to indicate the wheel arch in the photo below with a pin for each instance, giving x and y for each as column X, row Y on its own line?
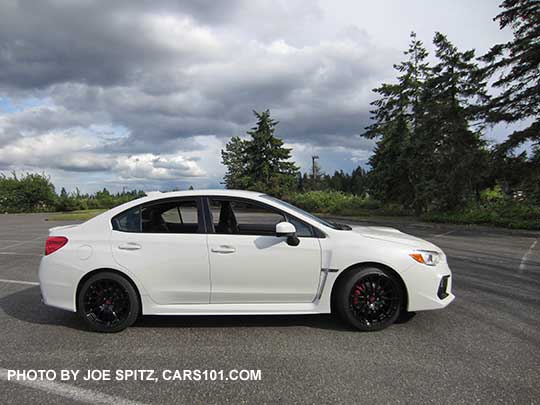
column 107, row 270
column 343, row 274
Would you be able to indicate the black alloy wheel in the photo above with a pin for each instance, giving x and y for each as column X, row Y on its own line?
column 107, row 302
column 370, row 299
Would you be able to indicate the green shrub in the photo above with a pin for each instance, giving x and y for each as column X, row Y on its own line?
column 332, row 202
column 31, row 192
column 505, row 213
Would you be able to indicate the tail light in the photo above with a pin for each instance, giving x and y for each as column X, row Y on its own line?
column 53, row 243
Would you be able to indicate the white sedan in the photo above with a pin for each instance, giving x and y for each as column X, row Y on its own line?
column 224, row 252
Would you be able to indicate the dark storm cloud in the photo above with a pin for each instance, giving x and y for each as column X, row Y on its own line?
column 176, row 79
column 98, row 43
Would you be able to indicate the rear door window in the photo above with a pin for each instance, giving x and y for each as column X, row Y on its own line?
column 171, row 217
column 181, row 216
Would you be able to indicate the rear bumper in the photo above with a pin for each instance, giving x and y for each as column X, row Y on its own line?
column 428, row 287
column 58, row 283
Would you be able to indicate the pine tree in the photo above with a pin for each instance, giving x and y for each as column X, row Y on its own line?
column 397, row 115
column 268, row 163
column 453, row 158
column 260, row 163
column 427, row 156
column 233, row 157
column 516, row 68
column 518, row 62
column 358, row 181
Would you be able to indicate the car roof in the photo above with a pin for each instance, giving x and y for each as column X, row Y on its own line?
column 207, row 192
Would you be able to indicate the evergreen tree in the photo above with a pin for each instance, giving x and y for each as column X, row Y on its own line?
column 233, row 157
column 516, row 68
column 358, row 181
column 427, row 156
column 397, row 115
column 453, row 158
column 260, row 163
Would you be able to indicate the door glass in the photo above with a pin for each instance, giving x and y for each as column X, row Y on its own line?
column 171, row 217
column 128, row 221
column 302, row 229
column 243, row 218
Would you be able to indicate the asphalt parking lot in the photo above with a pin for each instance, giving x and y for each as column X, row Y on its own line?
column 485, row 347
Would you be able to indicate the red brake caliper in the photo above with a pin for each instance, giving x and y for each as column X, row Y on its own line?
column 357, row 292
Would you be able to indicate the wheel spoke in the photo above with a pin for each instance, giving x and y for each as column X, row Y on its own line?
column 106, row 302
column 374, row 299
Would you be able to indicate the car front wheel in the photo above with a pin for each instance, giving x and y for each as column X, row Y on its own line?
column 107, row 302
column 369, row 299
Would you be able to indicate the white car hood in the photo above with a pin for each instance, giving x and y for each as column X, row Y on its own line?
column 395, row 236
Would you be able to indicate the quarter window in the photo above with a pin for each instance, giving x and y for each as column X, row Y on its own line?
column 128, row 221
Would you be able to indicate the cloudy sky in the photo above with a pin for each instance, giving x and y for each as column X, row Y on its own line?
column 144, row 94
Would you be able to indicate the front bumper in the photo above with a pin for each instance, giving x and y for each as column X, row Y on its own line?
column 428, row 287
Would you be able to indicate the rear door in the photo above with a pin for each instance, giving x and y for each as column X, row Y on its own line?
column 163, row 244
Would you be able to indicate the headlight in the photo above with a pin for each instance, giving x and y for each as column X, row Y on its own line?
column 428, row 257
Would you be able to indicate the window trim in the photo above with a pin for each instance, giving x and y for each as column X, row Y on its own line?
column 201, row 215
column 316, row 233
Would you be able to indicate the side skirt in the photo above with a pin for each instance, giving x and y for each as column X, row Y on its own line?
column 151, row 308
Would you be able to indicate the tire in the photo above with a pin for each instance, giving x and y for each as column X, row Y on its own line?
column 369, row 299
column 107, row 302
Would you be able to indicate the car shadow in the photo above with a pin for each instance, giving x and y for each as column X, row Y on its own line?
column 25, row 305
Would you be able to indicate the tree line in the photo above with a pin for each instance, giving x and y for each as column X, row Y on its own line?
column 429, row 125
column 34, row 192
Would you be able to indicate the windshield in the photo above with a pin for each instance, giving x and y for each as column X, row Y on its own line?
column 300, row 211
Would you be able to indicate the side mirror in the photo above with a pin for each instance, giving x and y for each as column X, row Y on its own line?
column 287, row 229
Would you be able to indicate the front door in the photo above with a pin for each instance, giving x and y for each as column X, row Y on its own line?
column 249, row 264
column 163, row 244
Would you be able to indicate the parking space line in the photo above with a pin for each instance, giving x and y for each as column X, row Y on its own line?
column 69, row 391
column 22, row 243
column 525, row 257
column 444, row 234
column 20, row 254
column 18, row 282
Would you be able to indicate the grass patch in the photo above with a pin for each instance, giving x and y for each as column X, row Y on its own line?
column 80, row 215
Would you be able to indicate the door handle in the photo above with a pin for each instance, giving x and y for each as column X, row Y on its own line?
column 129, row 246
column 223, row 249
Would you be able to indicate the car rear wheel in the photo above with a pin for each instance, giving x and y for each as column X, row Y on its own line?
column 369, row 299
column 107, row 302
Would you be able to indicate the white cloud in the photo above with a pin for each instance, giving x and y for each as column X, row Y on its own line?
column 82, row 153
column 152, row 167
